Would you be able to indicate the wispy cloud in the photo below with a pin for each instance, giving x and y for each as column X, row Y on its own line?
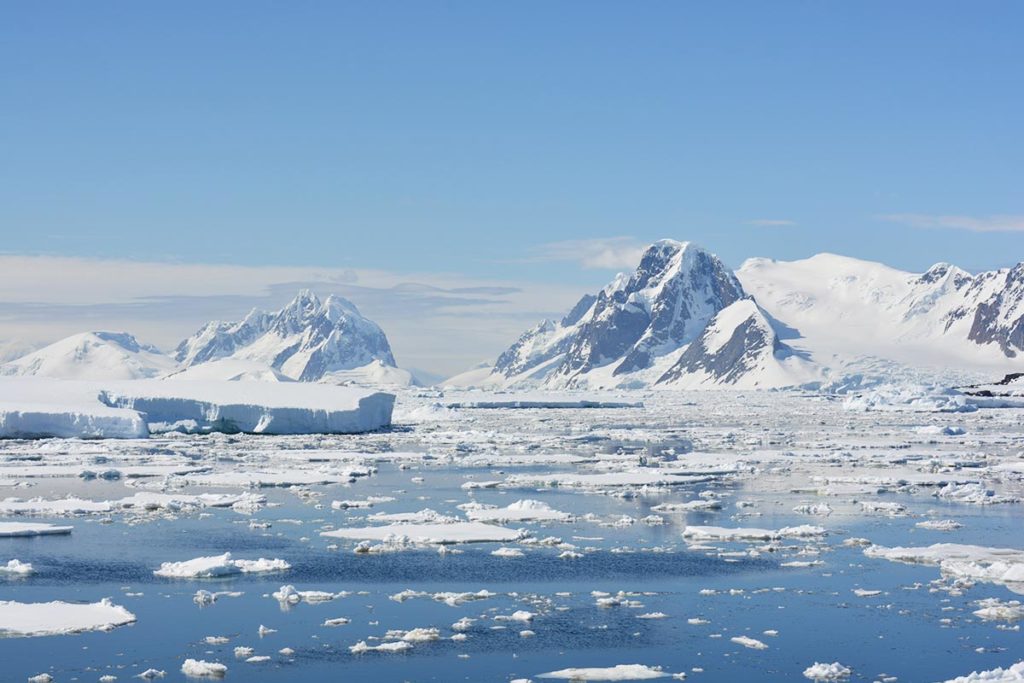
column 610, row 253
column 772, row 223
column 1002, row 223
column 431, row 319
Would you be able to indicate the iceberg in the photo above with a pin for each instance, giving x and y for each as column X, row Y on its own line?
column 33, row 407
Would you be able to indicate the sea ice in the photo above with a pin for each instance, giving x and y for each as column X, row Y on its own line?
column 827, row 672
column 58, row 618
column 31, row 529
column 461, row 532
column 715, row 533
column 218, row 565
column 197, row 668
column 621, row 672
column 1012, row 674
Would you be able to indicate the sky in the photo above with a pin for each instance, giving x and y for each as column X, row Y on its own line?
column 525, row 151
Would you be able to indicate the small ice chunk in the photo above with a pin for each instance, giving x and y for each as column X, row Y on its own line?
column 392, row 647
column 827, row 672
column 198, row 668
column 16, row 568
column 747, row 641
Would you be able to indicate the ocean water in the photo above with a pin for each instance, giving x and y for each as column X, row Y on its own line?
column 900, row 632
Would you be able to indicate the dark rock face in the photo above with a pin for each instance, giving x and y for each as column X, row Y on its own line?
column 994, row 321
column 579, row 310
column 749, row 342
column 663, row 305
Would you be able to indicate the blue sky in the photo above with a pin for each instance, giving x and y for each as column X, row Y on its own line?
column 466, row 137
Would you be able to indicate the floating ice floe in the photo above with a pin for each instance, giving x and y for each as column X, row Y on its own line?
column 145, row 500
column 715, row 533
column 1012, row 674
column 424, row 516
column 827, row 672
column 391, row 647
column 911, row 398
column 58, row 618
column 689, row 506
column 198, row 668
column 994, row 609
column 748, row 642
column 977, row 563
column 620, row 672
column 288, row 595
column 204, row 597
column 541, row 399
column 459, row 532
column 939, row 525
column 972, row 494
column 520, row 511
column 217, row 566
column 17, row 568
column 449, row 598
column 640, row 477
column 823, row 509
column 30, row 529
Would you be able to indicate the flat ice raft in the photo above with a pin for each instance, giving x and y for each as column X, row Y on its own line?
column 459, row 532
column 58, row 618
column 542, row 399
column 20, row 529
column 32, row 407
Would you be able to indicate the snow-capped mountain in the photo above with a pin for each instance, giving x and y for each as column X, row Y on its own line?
column 93, row 355
column 634, row 332
column 739, row 348
column 683, row 320
column 848, row 313
column 308, row 340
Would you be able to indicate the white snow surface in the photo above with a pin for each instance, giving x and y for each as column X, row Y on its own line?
column 218, row 565
column 458, row 532
column 37, row 407
column 526, row 510
column 57, row 618
column 93, row 355
column 714, row 533
column 1011, row 674
column 9, row 529
column 850, row 313
column 620, row 672
column 826, row 672
column 978, row 563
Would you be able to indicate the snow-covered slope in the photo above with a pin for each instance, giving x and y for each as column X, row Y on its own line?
column 683, row 320
column 633, row 333
column 741, row 349
column 308, row 340
column 848, row 313
column 93, row 355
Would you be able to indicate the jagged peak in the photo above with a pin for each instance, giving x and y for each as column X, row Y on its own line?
column 334, row 307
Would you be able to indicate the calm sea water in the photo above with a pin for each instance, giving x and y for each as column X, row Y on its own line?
column 818, row 618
